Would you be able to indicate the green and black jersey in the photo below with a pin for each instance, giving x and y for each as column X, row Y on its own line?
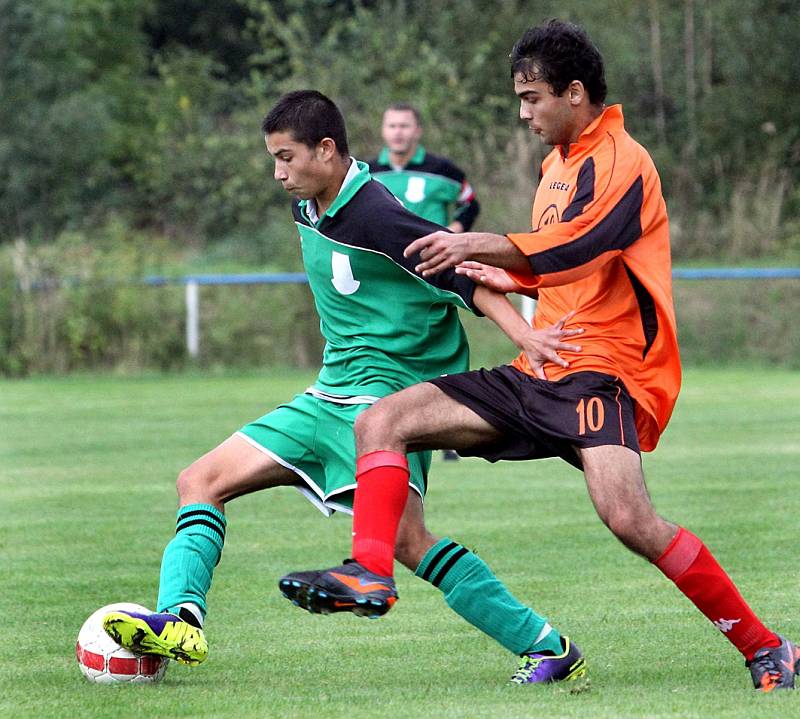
column 385, row 327
column 429, row 186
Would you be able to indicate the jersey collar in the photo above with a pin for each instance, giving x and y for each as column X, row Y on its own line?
column 607, row 121
column 357, row 176
column 416, row 159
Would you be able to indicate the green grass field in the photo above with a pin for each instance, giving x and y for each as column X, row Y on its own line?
column 87, row 468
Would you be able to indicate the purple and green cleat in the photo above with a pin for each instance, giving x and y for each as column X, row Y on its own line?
column 546, row 667
column 157, row 633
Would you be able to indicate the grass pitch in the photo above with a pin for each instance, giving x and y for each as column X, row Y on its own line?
column 87, row 468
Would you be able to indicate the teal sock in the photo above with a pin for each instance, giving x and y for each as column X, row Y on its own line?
column 189, row 559
column 472, row 590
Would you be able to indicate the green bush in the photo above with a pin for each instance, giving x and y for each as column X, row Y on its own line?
column 82, row 303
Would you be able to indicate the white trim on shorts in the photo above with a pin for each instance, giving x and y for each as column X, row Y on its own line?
column 342, row 398
column 313, row 493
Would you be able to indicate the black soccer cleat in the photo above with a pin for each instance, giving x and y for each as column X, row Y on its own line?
column 347, row 588
column 775, row 667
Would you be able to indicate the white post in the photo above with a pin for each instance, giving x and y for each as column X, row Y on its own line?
column 192, row 318
column 527, row 306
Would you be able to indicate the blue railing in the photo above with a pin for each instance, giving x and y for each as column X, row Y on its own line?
column 272, row 278
column 277, row 278
column 192, row 284
column 737, row 273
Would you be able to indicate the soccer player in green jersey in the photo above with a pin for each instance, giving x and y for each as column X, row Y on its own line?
column 429, row 185
column 385, row 328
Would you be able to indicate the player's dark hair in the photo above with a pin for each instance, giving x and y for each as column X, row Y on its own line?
column 406, row 107
column 310, row 117
column 559, row 52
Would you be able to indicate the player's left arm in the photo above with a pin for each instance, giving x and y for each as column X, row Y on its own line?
column 539, row 346
column 494, row 278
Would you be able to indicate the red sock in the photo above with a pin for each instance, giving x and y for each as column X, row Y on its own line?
column 380, row 499
column 688, row 563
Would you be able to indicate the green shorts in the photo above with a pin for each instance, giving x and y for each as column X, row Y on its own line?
column 314, row 438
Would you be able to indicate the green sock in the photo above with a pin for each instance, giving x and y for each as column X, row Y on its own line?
column 472, row 590
column 189, row 559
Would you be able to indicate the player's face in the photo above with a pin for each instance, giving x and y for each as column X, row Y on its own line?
column 549, row 116
column 400, row 131
column 298, row 167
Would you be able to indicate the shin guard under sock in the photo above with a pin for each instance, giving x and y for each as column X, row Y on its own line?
column 189, row 559
column 473, row 591
column 380, row 499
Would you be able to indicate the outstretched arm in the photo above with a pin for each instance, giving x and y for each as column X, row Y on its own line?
column 440, row 250
column 539, row 346
column 561, row 252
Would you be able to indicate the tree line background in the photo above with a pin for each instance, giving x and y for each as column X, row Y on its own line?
column 130, row 140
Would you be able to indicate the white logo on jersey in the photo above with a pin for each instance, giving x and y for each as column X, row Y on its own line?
column 343, row 279
column 725, row 625
column 415, row 191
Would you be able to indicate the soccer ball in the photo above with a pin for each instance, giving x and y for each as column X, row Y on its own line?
column 103, row 661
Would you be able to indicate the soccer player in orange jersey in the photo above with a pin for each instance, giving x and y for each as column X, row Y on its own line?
column 600, row 245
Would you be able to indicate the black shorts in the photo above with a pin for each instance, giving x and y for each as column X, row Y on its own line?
column 541, row 419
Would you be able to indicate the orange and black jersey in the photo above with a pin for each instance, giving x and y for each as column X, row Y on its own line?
column 600, row 246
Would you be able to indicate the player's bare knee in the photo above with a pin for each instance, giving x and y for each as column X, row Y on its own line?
column 379, row 422
column 184, row 483
column 644, row 534
column 193, row 485
column 626, row 527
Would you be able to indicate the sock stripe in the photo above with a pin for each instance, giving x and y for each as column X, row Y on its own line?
column 679, row 554
column 448, row 566
column 439, row 556
column 202, row 513
column 193, row 522
column 380, row 458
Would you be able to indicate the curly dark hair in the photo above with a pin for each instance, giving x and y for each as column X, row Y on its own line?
column 310, row 117
column 559, row 52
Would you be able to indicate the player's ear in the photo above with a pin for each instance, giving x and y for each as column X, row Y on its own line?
column 326, row 149
column 575, row 92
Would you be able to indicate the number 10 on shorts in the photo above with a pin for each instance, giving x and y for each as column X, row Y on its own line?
column 591, row 415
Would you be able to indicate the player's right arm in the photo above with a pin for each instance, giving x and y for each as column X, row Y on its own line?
column 625, row 199
column 566, row 251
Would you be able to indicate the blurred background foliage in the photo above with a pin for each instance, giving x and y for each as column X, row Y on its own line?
column 129, row 130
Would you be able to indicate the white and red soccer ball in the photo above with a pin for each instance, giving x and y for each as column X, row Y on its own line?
column 103, row 661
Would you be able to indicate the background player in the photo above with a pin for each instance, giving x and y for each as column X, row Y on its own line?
column 427, row 184
column 385, row 328
column 601, row 245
